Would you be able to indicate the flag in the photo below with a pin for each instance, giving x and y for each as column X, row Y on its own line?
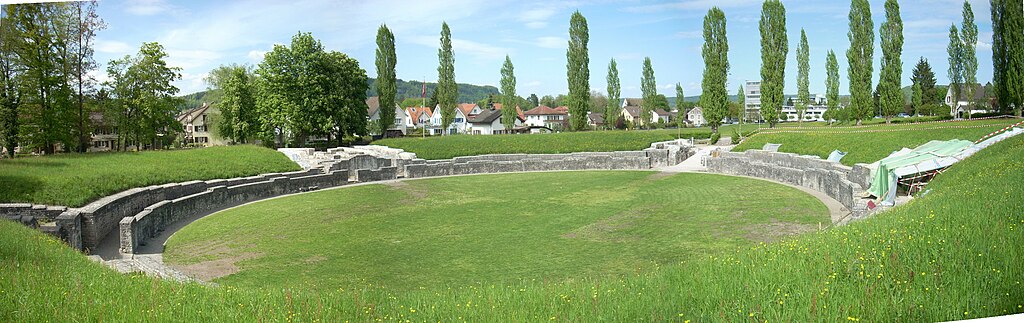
column 424, row 94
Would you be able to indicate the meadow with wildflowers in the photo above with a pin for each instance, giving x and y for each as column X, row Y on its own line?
column 952, row 253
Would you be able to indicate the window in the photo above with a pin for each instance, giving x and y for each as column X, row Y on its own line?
column 458, row 120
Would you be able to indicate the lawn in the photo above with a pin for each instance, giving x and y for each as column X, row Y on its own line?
column 952, row 254
column 76, row 179
column 445, row 232
column 867, row 144
column 444, row 147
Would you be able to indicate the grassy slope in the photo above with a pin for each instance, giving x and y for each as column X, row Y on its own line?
column 952, row 254
column 448, row 231
column 565, row 142
column 868, row 144
column 74, row 180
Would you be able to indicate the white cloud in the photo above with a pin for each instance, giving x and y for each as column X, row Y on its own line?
column 256, row 55
column 463, row 46
column 537, row 18
column 551, row 42
column 147, row 7
column 191, row 59
column 113, row 47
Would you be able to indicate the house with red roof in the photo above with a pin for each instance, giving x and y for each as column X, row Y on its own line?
column 544, row 116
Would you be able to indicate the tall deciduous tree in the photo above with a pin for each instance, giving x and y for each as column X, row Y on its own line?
column 860, row 57
column 890, row 87
column 386, row 87
column 578, row 71
column 917, row 99
column 741, row 101
column 611, row 112
column 648, row 90
column 447, row 90
column 87, row 23
column 145, row 96
column 714, row 100
column 1012, row 23
column 344, row 96
column 11, row 71
column 534, row 100
column 508, row 95
column 680, row 96
column 969, row 55
column 774, row 48
column 956, row 63
column 923, row 76
column 803, row 63
column 239, row 120
column 998, row 54
column 835, row 112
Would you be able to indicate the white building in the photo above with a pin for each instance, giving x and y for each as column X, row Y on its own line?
column 815, row 110
column 488, row 122
column 632, row 109
column 752, row 100
column 544, row 116
column 373, row 114
column 460, row 123
column 959, row 108
column 696, row 117
column 418, row 117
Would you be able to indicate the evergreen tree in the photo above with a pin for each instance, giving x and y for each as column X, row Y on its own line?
column 774, row 48
column 534, row 100
column 832, row 88
column 649, row 90
column 386, row 87
column 447, row 91
column 1013, row 40
column 917, row 101
column 578, row 71
column 714, row 99
column 956, row 63
column 969, row 55
column 612, row 111
column 925, row 78
column 890, row 90
column 860, row 57
column 508, row 95
column 803, row 63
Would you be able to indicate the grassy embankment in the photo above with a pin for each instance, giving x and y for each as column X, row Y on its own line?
column 867, row 144
column 76, row 179
column 951, row 254
column 440, row 232
column 444, row 147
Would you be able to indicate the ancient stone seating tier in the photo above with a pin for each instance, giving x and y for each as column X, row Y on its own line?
column 139, row 214
column 842, row 183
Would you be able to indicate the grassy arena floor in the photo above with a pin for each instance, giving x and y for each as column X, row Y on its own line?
column 76, row 179
column 444, row 147
column 867, row 144
column 436, row 233
column 952, row 254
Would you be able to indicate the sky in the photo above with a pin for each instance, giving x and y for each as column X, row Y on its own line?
column 201, row 35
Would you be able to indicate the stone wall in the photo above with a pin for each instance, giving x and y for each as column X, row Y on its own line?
column 486, row 164
column 838, row 181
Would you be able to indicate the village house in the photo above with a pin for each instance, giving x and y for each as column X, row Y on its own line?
column 544, row 116
column 632, row 110
column 488, row 122
column 695, row 117
column 960, row 107
column 595, row 119
column 197, row 127
column 373, row 114
column 104, row 134
column 418, row 117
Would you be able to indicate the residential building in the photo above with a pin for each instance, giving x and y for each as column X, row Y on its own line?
column 752, row 101
column 596, row 119
column 958, row 109
column 544, row 116
column 815, row 110
column 631, row 110
column 695, row 117
column 104, row 134
column 373, row 114
column 459, row 124
column 197, row 127
column 418, row 117
column 488, row 122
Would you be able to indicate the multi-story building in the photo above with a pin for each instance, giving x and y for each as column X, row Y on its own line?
column 196, row 125
column 752, row 101
column 815, row 110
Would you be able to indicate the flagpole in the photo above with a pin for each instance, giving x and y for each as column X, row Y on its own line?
column 423, row 95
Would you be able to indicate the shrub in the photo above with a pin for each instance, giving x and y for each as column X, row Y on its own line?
column 714, row 138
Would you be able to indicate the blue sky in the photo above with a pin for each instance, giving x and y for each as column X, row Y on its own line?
column 201, row 35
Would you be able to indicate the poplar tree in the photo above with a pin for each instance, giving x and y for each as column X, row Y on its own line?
column 917, row 100
column 774, row 48
column 1012, row 23
column 508, row 95
column 956, row 67
column 680, row 110
column 803, row 63
column 578, row 71
column 611, row 114
column 891, row 92
column 969, row 55
column 447, row 90
column 832, row 87
column 649, row 90
column 714, row 100
column 386, row 87
column 741, row 101
column 11, row 92
column 860, row 57
column 998, row 54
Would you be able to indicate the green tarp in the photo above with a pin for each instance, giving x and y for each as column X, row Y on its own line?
column 883, row 178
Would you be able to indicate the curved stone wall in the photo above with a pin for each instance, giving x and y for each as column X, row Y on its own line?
column 842, row 183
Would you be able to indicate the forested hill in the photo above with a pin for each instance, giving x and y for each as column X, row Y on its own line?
column 410, row 89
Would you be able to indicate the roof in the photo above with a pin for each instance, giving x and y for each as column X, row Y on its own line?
column 634, row 102
column 634, row 111
column 519, row 111
column 466, row 108
column 596, row 118
column 563, row 109
column 979, row 93
column 662, row 112
column 372, row 105
column 544, row 110
column 487, row 116
column 697, row 109
column 415, row 112
column 191, row 115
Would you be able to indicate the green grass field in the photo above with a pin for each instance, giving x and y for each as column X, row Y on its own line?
column 436, row 233
column 867, row 144
column 565, row 142
column 949, row 255
column 74, row 180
